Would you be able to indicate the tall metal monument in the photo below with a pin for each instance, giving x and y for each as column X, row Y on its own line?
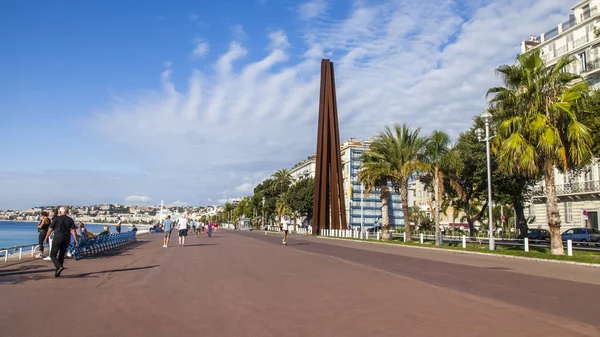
column 329, row 208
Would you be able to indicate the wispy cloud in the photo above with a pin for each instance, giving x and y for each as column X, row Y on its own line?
column 201, row 48
column 137, row 199
column 312, row 9
column 194, row 17
column 179, row 203
column 424, row 63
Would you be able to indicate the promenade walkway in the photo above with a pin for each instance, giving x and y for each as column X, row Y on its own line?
column 247, row 284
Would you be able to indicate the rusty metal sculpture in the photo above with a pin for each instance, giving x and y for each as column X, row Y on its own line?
column 329, row 208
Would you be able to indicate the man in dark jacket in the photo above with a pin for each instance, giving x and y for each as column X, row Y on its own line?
column 62, row 226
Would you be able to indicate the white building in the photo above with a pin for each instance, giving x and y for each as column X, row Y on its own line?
column 579, row 36
column 304, row 169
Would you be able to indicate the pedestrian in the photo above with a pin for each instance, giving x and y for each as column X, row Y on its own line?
column 183, row 228
column 42, row 231
column 63, row 227
column 284, row 226
column 167, row 227
column 134, row 229
column 266, row 228
column 209, row 229
column 118, row 226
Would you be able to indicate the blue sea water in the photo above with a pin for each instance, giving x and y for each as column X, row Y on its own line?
column 13, row 233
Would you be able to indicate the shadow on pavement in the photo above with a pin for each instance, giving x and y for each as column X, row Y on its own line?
column 201, row 244
column 109, row 271
column 116, row 252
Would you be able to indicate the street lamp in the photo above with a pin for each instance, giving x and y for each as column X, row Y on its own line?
column 263, row 212
column 487, row 118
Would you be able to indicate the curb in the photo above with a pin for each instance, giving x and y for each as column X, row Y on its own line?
column 469, row 252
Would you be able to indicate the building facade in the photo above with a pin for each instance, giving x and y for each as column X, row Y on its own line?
column 579, row 36
column 578, row 193
column 304, row 169
column 351, row 152
column 578, row 198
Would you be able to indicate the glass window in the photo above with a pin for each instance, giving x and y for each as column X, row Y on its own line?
column 568, row 212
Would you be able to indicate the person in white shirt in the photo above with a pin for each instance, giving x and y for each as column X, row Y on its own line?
column 284, row 226
column 182, row 226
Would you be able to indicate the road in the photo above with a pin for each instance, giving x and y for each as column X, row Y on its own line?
column 248, row 284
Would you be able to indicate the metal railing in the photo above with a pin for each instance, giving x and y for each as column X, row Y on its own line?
column 592, row 65
column 560, row 51
column 551, row 33
column 581, row 41
column 568, row 24
column 18, row 251
column 573, row 188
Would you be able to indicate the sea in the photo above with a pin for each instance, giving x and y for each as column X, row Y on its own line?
column 18, row 233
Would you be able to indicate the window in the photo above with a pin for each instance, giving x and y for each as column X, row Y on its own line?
column 568, row 212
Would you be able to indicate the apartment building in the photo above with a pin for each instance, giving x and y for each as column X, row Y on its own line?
column 578, row 198
column 579, row 36
column 351, row 152
column 304, row 169
column 578, row 192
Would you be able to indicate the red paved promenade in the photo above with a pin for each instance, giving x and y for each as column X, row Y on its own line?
column 247, row 284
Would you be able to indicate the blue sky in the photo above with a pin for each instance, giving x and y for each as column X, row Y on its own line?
column 195, row 102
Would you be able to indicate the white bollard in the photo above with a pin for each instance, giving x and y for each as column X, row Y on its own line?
column 361, row 235
column 570, row 247
column 20, row 253
column 526, row 244
column 464, row 241
column 322, row 232
column 367, row 235
column 421, row 238
column 404, row 236
column 378, row 235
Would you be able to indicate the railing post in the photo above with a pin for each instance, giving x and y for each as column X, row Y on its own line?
column 367, row 235
column 421, row 238
column 570, row 247
column 464, row 241
column 526, row 240
column 378, row 235
column 404, row 236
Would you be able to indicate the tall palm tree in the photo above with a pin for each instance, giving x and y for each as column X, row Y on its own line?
column 282, row 207
column 538, row 126
column 228, row 209
column 437, row 146
column 283, row 179
column 394, row 156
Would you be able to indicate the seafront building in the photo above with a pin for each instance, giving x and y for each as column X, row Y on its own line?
column 578, row 193
column 578, row 37
column 351, row 150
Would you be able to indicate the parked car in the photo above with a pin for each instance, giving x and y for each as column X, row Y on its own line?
column 536, row 235
column 582, row 235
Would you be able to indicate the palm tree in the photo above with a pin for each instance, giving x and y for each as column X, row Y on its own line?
column 437, row 146
column 227, row 209
column 537, row 124
column 394, row 156
column 283, row 179
column 282, row 207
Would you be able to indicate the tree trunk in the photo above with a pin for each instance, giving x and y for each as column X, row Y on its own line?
column 405, row 211
column 471, row 227
column 438, row 201
column 552, row 210
column 385, row 214
column 520, row 221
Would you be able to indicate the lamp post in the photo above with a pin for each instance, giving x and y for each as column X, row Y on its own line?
column 487, row 118
column 362, row 210
column 263, row 211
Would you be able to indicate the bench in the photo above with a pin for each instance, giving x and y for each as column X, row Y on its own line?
column 102, row 242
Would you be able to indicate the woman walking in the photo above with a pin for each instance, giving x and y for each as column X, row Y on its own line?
column 42, row 231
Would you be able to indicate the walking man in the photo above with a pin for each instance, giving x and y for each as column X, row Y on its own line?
column 118, row 227
column 210, row 229
column 284, row 226
column 62, row 226
column 182, row 226
column 167, row 227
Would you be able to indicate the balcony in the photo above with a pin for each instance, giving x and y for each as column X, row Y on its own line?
column 589, row 13
column 560, row 51
column 551, row 33
column 592, row 65
column 569, row 189
column 581, row 41
column 569, row 24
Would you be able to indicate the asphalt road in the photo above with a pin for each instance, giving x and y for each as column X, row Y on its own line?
column 248, row 284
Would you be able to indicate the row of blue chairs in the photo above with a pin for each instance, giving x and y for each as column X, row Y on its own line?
column 100, row 243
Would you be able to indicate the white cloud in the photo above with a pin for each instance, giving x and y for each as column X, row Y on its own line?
column 312, row 9
column 137, row 199
column 278, row 40
column 238, row 32
column 194, row 17
column 245, row 188
column 179, row 203
column 223, row 200
column 396, row 61
column 201, row 48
